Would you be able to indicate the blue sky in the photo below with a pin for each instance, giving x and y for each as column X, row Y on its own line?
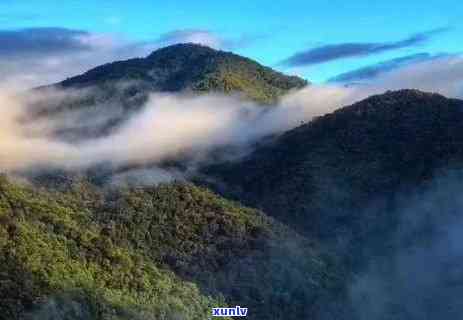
column 275, row 30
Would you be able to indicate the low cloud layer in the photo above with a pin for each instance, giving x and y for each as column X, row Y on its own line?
column 189, row 128
column 168, row 126
column 421, row 276
column 331, row 52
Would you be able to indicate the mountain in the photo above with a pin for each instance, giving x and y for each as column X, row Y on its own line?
column 166, row 252
column 190, row 67
column 347, row 210
column 115, row 90
column 322, row 176
column 377, row 184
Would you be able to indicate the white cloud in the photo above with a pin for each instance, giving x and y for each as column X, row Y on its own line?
column 32, row 59
column 444, row 76
column 173, row 125
column 197, row 36
column 167, row 127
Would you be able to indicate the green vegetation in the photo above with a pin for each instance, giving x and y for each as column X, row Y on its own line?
column 190, row 67
column 120, row 88
column 73, row 250
column 325, row 178
column 167, row 252
column 50, row 247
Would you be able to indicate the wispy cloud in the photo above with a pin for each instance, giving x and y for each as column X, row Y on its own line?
column 171, row 126
column 38, row 56
column 41, row 41
column 205, row 37
column 372, row 71
column 331, row 52
column 199, row 36
column 443, row 75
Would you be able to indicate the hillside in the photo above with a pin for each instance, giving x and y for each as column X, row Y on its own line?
column 167, row 252
column 379, row 184
column 350, row 194
column 191, row 67
column 322, row 176
column 113, row 91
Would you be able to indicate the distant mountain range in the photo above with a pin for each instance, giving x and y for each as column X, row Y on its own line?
column 324, row 201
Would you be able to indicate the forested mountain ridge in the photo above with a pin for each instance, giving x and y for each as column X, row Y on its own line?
column 117, row 90
column 167, row 252
column 322, row 171
column 191, row 67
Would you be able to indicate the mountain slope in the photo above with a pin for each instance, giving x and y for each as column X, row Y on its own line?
column 191, row 67
column 167, row 252
column 58, row 263
column 105, row 96
column 379, row 184
column 319, row 177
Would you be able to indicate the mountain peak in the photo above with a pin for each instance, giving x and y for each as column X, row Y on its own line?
column 192, row 67
column 406, row 94
column 188, row 47
column 396, row 102
column 364, row 151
